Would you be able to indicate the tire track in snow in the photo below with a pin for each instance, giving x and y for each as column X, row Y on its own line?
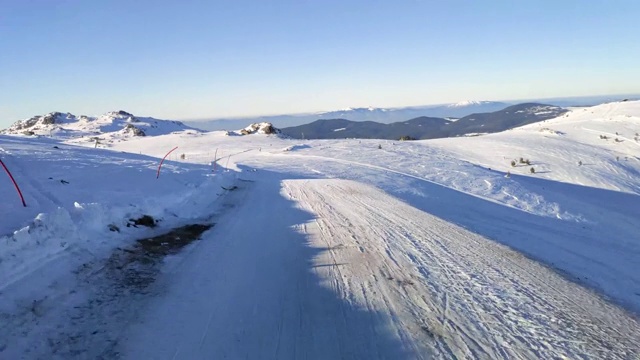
column 498, row 303
column 389, row 305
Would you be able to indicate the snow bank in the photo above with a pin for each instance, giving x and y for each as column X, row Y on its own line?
column 90, row 210
column 296, row 147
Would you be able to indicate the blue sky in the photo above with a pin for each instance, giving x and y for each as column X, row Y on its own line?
column 205, row 59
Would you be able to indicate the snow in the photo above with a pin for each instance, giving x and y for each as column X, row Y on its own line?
column 114, row 126
column 467, row 103
column 327, row 242
column 258, row 128
column 296, row 147
column 356, row 109
column 330, row 248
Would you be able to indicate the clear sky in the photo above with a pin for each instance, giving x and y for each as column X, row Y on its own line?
column 206, row 59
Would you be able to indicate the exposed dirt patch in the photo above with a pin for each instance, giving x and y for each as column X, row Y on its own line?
column 173, row 241
column 135, row 268
column 108, row 294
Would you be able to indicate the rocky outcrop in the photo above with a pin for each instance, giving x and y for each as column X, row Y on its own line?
column 131, row 129
column 260, row 128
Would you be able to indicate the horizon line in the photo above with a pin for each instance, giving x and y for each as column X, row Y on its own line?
column 512, row 101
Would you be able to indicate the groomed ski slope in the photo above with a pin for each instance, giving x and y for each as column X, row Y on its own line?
column 329, row 268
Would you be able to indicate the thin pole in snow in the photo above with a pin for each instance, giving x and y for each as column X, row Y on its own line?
column 161, row 161
column 14, row 183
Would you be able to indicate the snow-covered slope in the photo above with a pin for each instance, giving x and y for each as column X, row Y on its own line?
column 73, row 194
column 330, row 248
column 112, row 126
column 596, row 146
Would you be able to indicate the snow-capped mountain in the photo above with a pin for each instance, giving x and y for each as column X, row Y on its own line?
column 112, row 125
column 467, row 103
column 390, row 115
column 466, row 107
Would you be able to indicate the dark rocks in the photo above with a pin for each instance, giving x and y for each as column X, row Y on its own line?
column 144, row 220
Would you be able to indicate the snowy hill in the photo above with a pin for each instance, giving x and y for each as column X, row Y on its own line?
column 325, row 248
column 507, row 118
column 604, row 138
column 112, row 126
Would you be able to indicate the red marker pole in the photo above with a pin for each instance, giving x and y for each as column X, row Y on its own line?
column 14, row 183
column 161, row 161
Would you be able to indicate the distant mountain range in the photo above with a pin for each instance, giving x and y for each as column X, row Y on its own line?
column 380, row 115
column 425, row 127
column 391, row 115
column 369, row 123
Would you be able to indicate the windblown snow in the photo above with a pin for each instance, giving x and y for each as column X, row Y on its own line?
column 516, row 245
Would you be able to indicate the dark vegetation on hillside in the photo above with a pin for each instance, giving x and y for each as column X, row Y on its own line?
column 427, row 127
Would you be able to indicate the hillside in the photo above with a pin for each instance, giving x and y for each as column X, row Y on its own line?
column 594, row 146
column 422, row 127
column 507, row 118
column 427, row 127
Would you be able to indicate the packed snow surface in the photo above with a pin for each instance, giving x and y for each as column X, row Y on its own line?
column 329, row 248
